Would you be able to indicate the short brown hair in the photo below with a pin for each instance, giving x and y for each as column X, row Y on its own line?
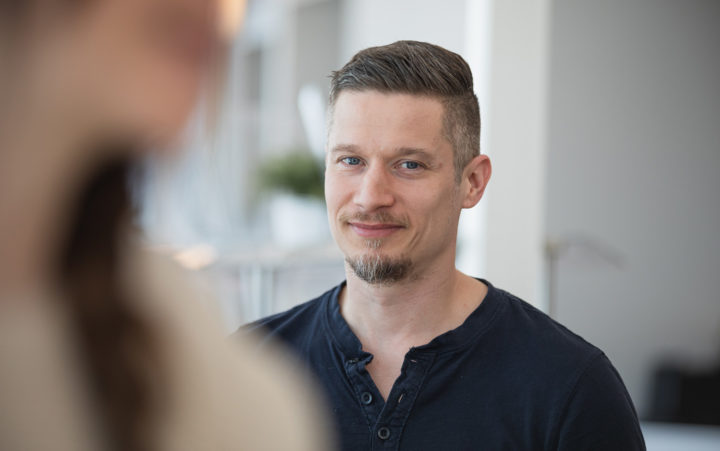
column 420, row 68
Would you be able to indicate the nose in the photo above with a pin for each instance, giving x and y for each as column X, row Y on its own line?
column 375, row 190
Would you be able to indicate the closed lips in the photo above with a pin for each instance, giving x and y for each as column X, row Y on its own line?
column 374, row 230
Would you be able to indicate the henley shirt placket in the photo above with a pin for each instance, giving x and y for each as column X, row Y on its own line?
column 386, row 419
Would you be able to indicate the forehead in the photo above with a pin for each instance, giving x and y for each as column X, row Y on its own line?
column 379, row 119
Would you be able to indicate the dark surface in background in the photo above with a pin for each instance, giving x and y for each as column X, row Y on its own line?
column 683, row 396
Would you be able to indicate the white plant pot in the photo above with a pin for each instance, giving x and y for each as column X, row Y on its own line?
column 297, row 221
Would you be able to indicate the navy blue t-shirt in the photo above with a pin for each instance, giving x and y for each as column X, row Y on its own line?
column 509, row 378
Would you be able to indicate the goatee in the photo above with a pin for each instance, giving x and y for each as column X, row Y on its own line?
column 377, row 269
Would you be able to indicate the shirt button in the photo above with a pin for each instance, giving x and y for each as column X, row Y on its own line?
column 383, row 433
column 366, row 398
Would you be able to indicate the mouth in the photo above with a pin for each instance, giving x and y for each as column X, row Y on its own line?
column 374, row 230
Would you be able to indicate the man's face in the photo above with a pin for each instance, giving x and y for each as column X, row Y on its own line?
column 392, row 199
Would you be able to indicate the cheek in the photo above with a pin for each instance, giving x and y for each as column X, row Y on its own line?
column 150, row 96
column 433, row 207
column 162, row 99
column 333, row 202
column 337, row 192
column 146, row 88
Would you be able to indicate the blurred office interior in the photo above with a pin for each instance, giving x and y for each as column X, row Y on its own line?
column 602, row 120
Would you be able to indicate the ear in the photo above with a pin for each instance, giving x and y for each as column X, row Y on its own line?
column 476, row 176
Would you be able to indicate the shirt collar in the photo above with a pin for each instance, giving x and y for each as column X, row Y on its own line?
column 477, row 323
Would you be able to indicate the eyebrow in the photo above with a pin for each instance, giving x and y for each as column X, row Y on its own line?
column 400, row 151
column 422, row 153
column 344, row 148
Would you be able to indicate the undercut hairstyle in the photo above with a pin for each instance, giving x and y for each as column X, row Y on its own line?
column 423, row 69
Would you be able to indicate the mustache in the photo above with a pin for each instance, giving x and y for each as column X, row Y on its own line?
column 381, row 217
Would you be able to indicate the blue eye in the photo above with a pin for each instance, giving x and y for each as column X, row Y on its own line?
column 351, row 161
column 410, row 165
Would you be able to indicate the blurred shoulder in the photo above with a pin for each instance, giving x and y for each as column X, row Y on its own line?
column 221, row 393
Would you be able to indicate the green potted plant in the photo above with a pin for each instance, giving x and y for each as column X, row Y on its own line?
column 295, row 183
column 297, row 172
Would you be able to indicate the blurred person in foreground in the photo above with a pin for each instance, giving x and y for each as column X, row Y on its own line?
column 414, row 354
column 102, row 345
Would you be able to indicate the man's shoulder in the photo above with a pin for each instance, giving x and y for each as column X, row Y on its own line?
column 293, row 324
column 574, row 380
column 540, row 334
column 578, row 387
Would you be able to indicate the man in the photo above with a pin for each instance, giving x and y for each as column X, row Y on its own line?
column 413, row 354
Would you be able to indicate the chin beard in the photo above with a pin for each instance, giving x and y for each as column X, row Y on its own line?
column 377, row 269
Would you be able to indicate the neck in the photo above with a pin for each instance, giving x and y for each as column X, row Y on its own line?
column 411, row 312
column 41, row 169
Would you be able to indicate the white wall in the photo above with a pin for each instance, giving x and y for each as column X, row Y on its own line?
column 514, row 128
column 369, row 23
column 634, row 156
